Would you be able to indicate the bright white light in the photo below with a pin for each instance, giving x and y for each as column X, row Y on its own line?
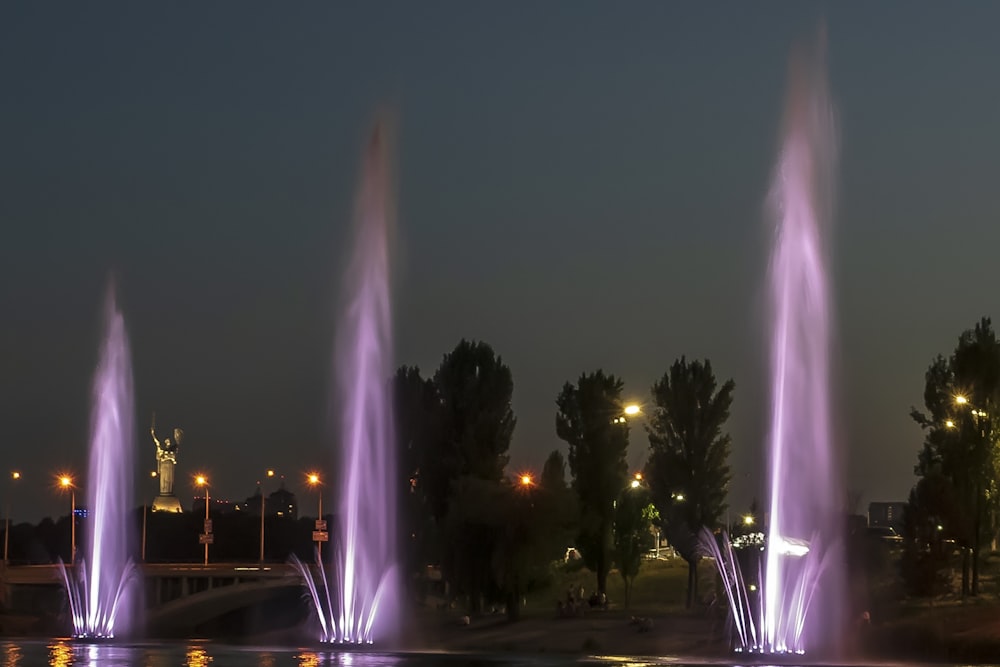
column 785, row 546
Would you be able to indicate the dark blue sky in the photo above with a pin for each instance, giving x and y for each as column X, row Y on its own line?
column 581, row 185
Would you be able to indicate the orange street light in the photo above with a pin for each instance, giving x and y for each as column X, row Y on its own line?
column 201, row 480
column 632, row 410
column 66, row 482
column 14, row 475
column 269, row 473
column 526, row 480
column 313, row 479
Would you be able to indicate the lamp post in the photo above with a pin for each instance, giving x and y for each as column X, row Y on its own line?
column 153, row 475
column 320, row 534
column 978, row 415
column 66, row 482
column 206, row 537
column 14, row 476
column 270, row 473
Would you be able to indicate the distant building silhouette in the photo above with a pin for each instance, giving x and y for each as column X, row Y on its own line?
column 280, row 503
column 887, row 514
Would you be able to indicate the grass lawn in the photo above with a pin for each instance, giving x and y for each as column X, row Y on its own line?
column 660, row 588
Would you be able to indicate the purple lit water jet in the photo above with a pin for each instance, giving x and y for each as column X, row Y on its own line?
column 804, row 469
column 97, row 584
column 361, row 594
column 803, row 518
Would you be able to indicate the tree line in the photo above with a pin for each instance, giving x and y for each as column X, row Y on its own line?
column 955, row 504
column 495, row 535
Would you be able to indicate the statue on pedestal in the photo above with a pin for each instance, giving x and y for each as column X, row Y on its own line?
column 166, row 460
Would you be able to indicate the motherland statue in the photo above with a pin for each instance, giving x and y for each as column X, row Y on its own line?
column 166, row 460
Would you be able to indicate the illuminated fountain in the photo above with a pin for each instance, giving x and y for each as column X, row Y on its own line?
column 803, row 517
column 358, row 602
column 97, row 583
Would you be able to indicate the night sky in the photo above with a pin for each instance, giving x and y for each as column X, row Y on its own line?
column 581, row 185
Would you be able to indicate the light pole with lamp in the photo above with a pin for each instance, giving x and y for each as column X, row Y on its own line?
column 153, row 475
column 978, row 416
column 270, row 474
column 14, row 476
column 206, row 537
column 320, row 534
column 66, row 482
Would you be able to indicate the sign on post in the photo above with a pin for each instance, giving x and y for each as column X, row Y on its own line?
column 320, row 524
column 320, row 536
column 208, row 525
column 206, row 538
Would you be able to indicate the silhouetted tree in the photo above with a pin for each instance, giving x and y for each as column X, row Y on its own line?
column 418, row 418
column 475, row 389
column 590, row 420
column 688, row 469
column 932, row 518
column 634, row 516
column 961, row 398
column 559, row 505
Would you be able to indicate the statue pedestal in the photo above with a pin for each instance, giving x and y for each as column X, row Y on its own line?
column 167, row 503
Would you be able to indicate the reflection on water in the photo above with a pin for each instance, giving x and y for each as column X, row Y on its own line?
column 11, row 655
column 308, row 659
column 68, row 653
column 60, row 655
column 197, row 657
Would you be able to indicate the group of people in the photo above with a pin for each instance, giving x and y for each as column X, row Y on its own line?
column 576, row 604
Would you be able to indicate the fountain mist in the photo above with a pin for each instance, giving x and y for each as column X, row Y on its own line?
column 349, row 606
column 804, row 469
column 95, row 587
column 804, row 520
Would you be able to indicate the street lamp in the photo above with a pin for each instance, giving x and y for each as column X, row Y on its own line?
column 320, row 534
column 14, row 476
column 66, row 483
column 152, row 475
column 632, row 410
column 206, row 537
column 270, row 473
column 748, row 520
column 526, row 480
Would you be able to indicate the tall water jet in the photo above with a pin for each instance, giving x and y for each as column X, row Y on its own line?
column 366, row 526
column 97, row 584
column 805, row 475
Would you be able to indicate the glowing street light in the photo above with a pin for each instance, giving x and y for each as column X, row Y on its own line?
column 961, row 400
column 201, row 480
column 636, row 484
column 949, row 423
column 152, row 475
column 269, row 473
column 632, row 410
column 314, row 481
column 526, row 480
column 14, row 476
column 66, row 483
column 748, row 520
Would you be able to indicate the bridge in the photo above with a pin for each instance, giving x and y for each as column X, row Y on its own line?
column 179, row 598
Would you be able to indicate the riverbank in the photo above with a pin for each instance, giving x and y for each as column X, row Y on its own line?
column 610, row 632
column 943, row 633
